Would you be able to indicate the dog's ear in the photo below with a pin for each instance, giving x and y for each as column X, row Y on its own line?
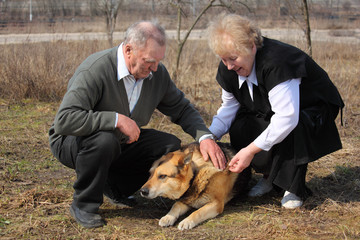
column 160, row 161
column 192, row 147
column 187, row 158
column 184, row 160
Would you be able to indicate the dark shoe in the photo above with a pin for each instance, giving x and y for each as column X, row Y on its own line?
column 86, row 219
column 118, row 199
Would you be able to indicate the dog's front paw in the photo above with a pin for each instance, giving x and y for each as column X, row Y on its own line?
column 167, row 220
column 186, row 224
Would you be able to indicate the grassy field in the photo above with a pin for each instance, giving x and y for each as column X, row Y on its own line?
column 36, row 190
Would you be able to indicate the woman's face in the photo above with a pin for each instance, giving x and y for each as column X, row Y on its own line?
column 241, row 64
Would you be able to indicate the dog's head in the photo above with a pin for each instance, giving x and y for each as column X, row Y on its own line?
column 170, row 176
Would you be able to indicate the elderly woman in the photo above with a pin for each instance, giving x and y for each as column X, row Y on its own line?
column 278, row 107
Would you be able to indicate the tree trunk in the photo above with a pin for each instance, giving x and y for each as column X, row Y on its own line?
column 181, row 42
column 307, row 29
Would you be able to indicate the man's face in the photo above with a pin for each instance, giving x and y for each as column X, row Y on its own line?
column 141, row 61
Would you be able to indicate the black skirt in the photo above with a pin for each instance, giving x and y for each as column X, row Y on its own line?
column 285, row 163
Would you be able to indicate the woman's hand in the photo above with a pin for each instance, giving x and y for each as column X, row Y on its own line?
column 243, row 158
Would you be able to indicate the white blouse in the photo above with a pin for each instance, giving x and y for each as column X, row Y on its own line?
column 284, row 99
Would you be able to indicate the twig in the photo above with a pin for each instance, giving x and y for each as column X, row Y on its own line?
column 269, row 209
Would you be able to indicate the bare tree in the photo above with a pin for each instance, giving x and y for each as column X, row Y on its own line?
column 301, row 8
column 307, row 26
column 180, row 5
column 110, row 9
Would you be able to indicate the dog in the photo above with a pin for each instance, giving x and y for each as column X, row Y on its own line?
column 186, row 177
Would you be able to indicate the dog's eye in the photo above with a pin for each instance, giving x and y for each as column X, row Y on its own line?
column 162, row 176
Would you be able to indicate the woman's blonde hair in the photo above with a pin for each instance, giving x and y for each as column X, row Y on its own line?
column 230, row 33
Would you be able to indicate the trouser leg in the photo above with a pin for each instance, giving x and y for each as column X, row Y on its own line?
column 91, row 158
column 100, row 158
column 244, row 131
column 285, row 173
column 131, row 170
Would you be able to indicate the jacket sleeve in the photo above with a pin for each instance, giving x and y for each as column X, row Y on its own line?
column 76, row 115
column 180, row 110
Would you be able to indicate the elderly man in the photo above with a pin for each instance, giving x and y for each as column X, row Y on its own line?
column 97, row 129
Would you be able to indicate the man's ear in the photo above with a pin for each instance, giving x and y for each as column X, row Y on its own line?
column 128, row 49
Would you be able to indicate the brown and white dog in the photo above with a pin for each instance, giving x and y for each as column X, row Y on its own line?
column 185, row 176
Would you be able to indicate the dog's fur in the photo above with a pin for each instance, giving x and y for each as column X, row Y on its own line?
column 184, row 176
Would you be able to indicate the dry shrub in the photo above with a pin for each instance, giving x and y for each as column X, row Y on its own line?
column 41, row 70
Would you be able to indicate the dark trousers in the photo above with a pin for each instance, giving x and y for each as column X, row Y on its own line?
column 277, row 163
column 101, row 159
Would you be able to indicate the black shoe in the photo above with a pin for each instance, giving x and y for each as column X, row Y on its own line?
column 118, row 199
column 86, row 219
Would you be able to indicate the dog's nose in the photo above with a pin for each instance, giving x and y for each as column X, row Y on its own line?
column 144, row 192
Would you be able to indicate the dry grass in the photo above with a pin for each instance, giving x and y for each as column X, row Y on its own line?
column 36, row 190
column 41, row 70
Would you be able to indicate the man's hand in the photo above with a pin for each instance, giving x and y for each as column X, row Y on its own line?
column 129, row 127
column 209, row 148
column 243, row 158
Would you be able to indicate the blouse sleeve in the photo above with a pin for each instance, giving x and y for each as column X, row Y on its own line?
column 285, row 103
column 225, row 115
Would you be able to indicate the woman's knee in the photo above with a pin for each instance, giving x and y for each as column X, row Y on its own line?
column 246, row 129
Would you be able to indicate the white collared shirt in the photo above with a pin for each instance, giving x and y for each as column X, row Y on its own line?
column 132, row 86
column 284, row 99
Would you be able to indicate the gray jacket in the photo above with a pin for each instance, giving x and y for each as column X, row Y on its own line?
column 94, row 95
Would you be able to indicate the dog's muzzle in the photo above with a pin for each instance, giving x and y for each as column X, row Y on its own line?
column 144, row 192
